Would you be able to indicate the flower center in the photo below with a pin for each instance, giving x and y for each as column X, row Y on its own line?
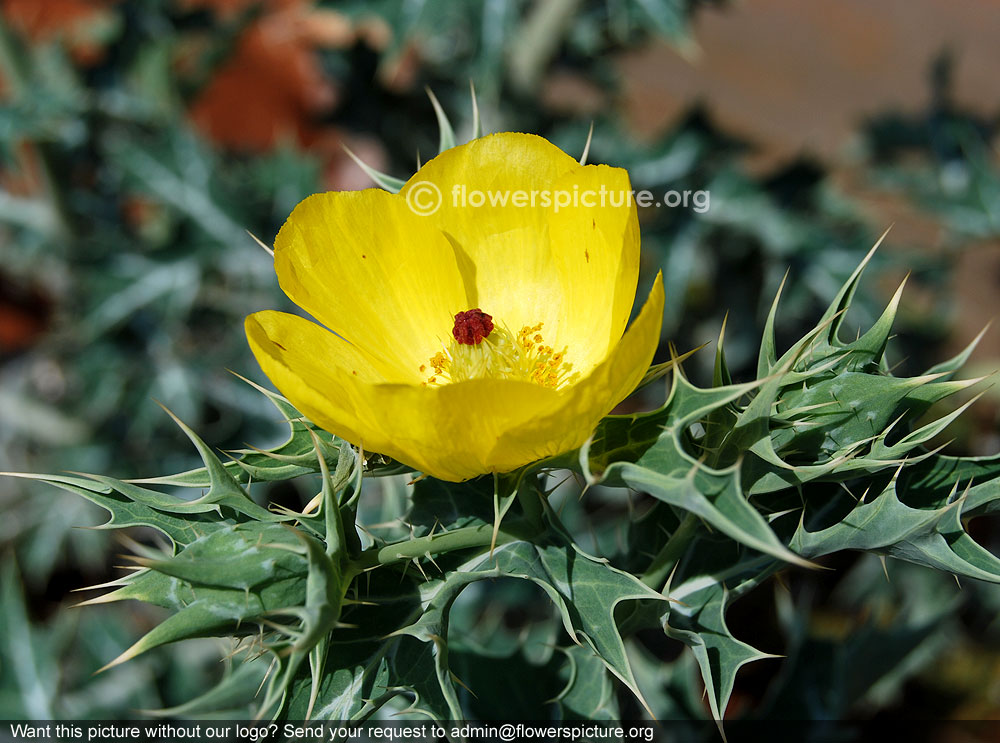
column 483, row 349
column 472, row 326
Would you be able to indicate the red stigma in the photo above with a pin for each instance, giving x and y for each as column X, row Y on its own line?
column 472, row 326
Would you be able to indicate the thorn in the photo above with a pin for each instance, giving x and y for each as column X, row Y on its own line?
column 262, row 390
column 586, row 147
column 477, row 124
column 447, row 135
column 260, row 242
column 358, row 602
column 312, row 505
column 420, row 567
column 132, row 652
column 383, row 180
column 853, row 496
column 429, row 557
column 267, row 674
column 461, row 683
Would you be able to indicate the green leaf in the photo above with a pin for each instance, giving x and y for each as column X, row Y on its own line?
column 932, row 483
column 125, row 512
column 653, row 459
column 233, row 692
column 295, row 457
column 223, row 489
column 237, row 556
column 697, row 618
column 584, row 590
column 589, row 693
column 438, row 506
column 366, row 665
column 886, row 525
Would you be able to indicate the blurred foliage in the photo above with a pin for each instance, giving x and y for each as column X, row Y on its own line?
column 139, row 142
column 49, row 662
column 943, row 159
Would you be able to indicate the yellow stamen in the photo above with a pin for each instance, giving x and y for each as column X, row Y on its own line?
column 503, row 355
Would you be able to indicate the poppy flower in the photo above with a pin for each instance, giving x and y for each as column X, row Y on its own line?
column 478, row 316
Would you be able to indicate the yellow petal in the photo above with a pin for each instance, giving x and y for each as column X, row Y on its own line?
column 456, row 431
column 446, row 431
column 380, row 276
column 595, row 247
column 567, row 256
column 568, row 425
column 317, row 371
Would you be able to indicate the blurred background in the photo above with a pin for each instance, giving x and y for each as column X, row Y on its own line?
column 141, row 140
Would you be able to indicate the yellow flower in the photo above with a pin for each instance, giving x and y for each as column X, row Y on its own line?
column 474, row 339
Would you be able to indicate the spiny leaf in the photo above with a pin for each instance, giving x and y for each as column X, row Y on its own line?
column 636, row 438
column 655, row 461
column 152, row 498
column 586, row 593
column 239, row 556
column 127, row 513
column 657, row 371
column 295, row 457
column 233, row 692
column 812, row 451
column 223, row 489
column 327, row 581
column 697, row 618
column 214, row 612
column 955, row 363
column 886, row 525
column 366, row 665
column 715, row 497
column 835, row 312
column 767, row 358
column 318, row 613
column 932, row 483
column 589, row 693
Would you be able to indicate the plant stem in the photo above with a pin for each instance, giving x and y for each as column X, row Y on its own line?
column 660, row 568
column 434, row 544
column 530, row 499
